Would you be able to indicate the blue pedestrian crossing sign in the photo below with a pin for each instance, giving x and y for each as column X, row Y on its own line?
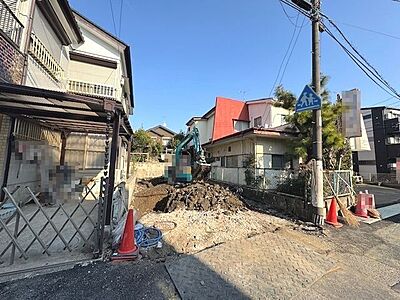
column 308, row 100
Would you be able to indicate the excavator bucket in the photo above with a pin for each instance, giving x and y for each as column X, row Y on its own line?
column 201, row 171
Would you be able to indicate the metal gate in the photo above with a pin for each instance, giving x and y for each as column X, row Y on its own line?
column 31, row 231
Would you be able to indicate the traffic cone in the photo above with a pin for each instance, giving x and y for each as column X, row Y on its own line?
column 361, row 208
column 331, row 218
column 127, row 249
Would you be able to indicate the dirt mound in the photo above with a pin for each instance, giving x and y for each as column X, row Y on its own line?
column 201, row 196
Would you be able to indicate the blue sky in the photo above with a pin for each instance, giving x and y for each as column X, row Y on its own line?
column 186, row 52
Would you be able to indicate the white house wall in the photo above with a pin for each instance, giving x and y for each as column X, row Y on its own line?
column 265, row 147
column 41, row 28
column 40, row 78
column 257, row 110
column 90, row 73
column 96, row 46
column 210, row 128
column 271, row 116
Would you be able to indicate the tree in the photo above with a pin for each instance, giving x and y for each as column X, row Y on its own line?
column 334, row 144
column 176, row 140
column 143, row 142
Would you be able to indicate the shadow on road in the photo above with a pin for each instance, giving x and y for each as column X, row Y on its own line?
column 147, row 278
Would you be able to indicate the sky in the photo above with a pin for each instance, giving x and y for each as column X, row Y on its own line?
column 185, row 53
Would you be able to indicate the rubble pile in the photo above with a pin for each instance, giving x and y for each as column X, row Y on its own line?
column 202, row 196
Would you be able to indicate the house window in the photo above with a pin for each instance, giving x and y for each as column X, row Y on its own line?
column 240, row 125
column 232, row 161
column 366, row 117
column 257, row 122
column 222, row 161
column 278, row 162
column 229, row 149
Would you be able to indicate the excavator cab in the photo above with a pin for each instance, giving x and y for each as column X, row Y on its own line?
column 188, row 164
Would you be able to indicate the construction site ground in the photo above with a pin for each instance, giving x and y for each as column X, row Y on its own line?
column 252, row 253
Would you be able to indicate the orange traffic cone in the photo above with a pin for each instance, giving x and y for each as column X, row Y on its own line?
column 361, row 207
column 331, row 218
column 127, row 249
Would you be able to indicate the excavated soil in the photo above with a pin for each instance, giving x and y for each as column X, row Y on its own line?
column 202, row 196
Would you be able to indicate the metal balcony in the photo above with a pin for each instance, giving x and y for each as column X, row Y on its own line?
column 43, row 56
column 10, row 24
column 91, row 89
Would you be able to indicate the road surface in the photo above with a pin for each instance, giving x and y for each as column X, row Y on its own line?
column 384, row 196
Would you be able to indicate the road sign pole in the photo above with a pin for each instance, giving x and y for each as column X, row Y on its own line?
column 318, row 201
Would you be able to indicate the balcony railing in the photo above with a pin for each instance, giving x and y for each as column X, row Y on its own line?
column 92, row 89
column 10, row 24
column 43, row 56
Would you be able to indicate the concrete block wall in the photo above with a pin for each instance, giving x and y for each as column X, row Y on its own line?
column 287, row 204
column 11, row 61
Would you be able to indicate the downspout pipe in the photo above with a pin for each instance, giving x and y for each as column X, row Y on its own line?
column 28, row 41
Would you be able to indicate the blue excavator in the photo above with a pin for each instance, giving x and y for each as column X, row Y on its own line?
column 189, row 162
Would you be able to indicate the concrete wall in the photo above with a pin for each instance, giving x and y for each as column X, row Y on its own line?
column 148, row 169
column 288, row 204
column 231, row 175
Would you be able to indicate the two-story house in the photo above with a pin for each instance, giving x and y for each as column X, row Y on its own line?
column 66, row 94
column 240, row 136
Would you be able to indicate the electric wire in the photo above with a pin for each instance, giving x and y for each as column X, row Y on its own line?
column 112, row 15
column 286, row 53
column 364, row 67
column 120, row 18
column 291, row 52
column 374, row 72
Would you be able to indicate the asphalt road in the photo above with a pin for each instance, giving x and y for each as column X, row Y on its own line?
column 384, row 196
column 143, row 280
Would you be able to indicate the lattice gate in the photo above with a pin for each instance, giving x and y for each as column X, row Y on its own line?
column 32, row 231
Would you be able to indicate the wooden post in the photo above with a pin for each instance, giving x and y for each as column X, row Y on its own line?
column 113, row 164
column 128, row 158
column 85, row 151
column 63, row 147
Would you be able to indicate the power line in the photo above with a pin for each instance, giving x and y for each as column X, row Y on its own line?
column 292, row 5
column 289, row 17
column 371, row 30
column 120, row 18
column 291, row 52
column 112, row 15
column 361, row 59
column 286, row 53
column 365, row 67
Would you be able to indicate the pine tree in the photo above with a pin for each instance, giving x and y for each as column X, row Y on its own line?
column 334, row 144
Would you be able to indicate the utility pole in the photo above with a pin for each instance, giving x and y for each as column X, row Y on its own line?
column 317, row 189
column 318, row 202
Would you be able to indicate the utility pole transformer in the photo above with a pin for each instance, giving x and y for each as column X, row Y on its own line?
column 318, row 202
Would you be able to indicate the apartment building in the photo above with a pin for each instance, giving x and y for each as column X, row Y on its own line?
column 383, row 130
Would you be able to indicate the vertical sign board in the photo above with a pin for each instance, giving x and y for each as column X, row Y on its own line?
column 308, row 100
column 351, row 121
column 398, row 170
